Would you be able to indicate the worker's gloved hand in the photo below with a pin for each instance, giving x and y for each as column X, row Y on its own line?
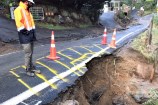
column 24, row 31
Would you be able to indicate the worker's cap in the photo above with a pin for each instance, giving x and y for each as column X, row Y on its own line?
column 31, row 1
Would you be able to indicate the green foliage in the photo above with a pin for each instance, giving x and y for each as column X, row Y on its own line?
column 51, row 26
column 153, row 99
column 59, row 27
column 127, row 2
column 138, row 5
column 6, row 2
column 8, row 16
column 156, row 20
column 149, row 5
column 121, row 15
column 139, row 45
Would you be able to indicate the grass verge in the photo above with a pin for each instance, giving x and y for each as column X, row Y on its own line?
column 59, row 27
column 139, row 43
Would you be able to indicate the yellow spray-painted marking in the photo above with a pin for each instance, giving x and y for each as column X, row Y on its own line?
column 67, row 67
column 81, row 58
column 16, row 75
column 40, row 58
column 27, row 86
column 66, row 56
column 78, row 69
column 98, row 47
column 86, row 49
column 44, row 79
column 23, row 66
column 15, row 68
column 53, row 71
column 23, row 83
column 75, row 51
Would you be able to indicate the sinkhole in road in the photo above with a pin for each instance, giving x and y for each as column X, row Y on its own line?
column 111, row 80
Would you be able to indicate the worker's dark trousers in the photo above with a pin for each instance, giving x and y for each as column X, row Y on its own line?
column 28, row 50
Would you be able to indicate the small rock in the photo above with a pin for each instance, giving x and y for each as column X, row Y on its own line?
column 118, row 100
column 140, row 98
column 68, row 102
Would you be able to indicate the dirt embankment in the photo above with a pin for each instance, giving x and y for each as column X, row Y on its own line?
column 112, row 80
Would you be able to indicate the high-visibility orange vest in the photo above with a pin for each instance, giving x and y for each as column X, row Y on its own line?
column 23, row 18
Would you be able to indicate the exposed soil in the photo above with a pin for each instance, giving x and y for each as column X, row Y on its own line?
column 112, row 80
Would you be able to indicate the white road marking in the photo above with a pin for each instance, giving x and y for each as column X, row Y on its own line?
column 27, row 94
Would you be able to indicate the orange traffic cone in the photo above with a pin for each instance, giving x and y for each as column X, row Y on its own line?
column 104, row 39
column 53, row 55
column 113, row 42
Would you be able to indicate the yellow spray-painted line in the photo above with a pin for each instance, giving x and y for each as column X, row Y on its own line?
column 16, row 75
column 23, row 83
column 40, row 58
column 45, row 80
column 81, row 58
column 52, row 70
column 27, row 86
column 79, row 69
column 87, row 49
column 72, row 58
column 75, row 51
column 98, row 47
column 61, row 63
column 66, row 56
column 15, row 68
column 23, row 66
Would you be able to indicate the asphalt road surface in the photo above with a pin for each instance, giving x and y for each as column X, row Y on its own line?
column 17, row 88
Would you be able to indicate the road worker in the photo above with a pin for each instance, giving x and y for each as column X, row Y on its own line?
column 26, row 31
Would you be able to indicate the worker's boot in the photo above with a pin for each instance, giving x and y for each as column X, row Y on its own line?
column 35, row 70
column 29, row 72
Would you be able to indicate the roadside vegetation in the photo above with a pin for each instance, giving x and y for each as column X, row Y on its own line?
column 60, row 27
column 150, row 52
column 148, row 5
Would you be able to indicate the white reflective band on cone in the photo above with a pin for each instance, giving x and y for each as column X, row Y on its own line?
column 52, row 38
column 104, row 35
column 53, row 45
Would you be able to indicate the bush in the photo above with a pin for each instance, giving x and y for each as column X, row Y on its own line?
column 156, row 20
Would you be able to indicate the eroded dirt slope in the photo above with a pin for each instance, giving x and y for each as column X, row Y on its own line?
column 112, row 80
